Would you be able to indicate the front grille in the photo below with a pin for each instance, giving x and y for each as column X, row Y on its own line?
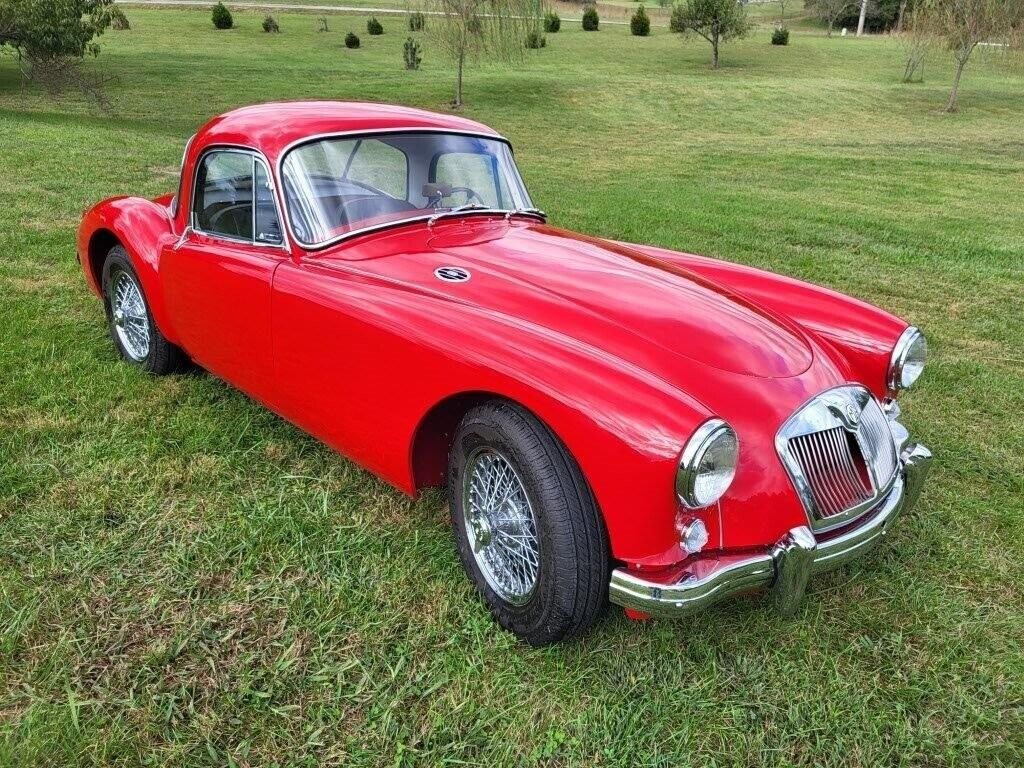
column 840, row 454
column 834, row 467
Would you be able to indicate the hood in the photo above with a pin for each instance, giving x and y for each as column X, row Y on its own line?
column 615, row 298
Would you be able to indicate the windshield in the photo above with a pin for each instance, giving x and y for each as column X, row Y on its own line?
column 339, row 185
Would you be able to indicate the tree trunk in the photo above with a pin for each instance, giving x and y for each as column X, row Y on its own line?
column 829, row 33
column 960, row 64
column 714, row 52
column 863, row 14
column 899, row 17
column 458, row 80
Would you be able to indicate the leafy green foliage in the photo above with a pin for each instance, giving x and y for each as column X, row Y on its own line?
column 53, row 29
column 417, row 21
column 640, row 22
column 590, row 19
column 222, row 18
column 411, row 54
column 552, row 22
column 118, row 20
column 374, row 27
column 535, row 39
column 715, row 20
column 780, row 36
column 351, row 40
column 270, row 24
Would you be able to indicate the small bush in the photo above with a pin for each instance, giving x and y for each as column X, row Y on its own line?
column 417, row 21
column 640, row 23
column 222, row 17
column 780, row 36
column 590, row 19
column 374, row 27
column 117, row 19
column 535, row 40
column 351, row 40
column 270, row 24
column 552, row 22
column 411, row 54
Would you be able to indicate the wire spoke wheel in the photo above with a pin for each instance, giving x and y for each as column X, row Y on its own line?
column 501, row 526
column 128, row 312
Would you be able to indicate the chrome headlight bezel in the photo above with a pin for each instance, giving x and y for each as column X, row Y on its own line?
column 910, row 347
column 707, row 436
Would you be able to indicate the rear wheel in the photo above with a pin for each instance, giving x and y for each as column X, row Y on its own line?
column 526, row 525
column 132, row 328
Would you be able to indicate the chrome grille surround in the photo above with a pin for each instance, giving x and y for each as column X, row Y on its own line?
column 840, row 454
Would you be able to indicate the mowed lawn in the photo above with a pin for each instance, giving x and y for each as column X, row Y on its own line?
column 185, row 579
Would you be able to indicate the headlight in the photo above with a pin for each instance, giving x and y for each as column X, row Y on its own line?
column 707, row 464
column 908, row 358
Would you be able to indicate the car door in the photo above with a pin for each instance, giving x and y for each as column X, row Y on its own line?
column 217, row 277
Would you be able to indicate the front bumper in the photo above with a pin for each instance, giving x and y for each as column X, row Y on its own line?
column 785, row 568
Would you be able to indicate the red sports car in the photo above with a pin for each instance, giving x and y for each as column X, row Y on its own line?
column 612, row 421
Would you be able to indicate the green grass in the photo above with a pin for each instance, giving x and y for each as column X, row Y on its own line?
column 187, row 580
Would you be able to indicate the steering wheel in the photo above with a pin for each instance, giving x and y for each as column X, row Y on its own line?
column 469, row 192
column 233, row 211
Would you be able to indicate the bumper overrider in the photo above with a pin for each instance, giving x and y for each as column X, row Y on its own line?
column 786, row 567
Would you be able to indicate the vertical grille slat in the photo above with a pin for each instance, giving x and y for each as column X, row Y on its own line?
column 839, row 450
column 829, row 462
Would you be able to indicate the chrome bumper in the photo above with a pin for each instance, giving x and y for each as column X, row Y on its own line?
column 786, row 567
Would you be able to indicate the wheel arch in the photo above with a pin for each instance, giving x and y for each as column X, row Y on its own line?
column 432, row 439
column 142, row 228
column 100, row 244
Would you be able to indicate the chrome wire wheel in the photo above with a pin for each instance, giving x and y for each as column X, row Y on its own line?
column 500, row 526
column 128, row 313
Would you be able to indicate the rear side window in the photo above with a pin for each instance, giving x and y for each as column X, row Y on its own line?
column 223, row 202
column 234, row 198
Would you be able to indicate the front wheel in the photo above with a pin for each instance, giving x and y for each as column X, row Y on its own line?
column 527, row 528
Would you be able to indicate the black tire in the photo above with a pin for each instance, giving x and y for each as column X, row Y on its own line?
column 161, row 357
column 571, row 586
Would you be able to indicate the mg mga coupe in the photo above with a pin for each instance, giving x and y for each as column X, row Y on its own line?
column 613, row 422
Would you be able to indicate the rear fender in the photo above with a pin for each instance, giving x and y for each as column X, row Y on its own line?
column 143, row 228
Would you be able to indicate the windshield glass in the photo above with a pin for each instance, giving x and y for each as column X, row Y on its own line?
column 338, row 185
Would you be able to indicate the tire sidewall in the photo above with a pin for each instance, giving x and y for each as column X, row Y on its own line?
column 116, row 262
column 534, row 613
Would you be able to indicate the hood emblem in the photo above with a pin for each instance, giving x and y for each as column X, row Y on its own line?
column 452, row 274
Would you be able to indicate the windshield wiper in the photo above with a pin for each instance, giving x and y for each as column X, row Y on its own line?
column 454, row 211
column 526, row 212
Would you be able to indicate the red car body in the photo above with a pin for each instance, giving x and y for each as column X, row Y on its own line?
column 622, row 350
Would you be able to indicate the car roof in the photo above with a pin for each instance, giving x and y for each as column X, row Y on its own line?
column 273, row 127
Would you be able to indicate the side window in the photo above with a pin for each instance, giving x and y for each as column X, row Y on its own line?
column 224, row 195
column 268, row 228
column 381, row 166
column 474, row 170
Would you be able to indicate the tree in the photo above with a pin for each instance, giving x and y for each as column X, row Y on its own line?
column 918, row 39
column 829, row 11
column 862, row 17
column 717, row 21
column 467, row 30
column 52, row 37
column 966, row 23
column 900, row 16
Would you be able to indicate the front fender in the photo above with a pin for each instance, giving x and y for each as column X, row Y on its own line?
column 382, row 344
column 143, row 227
column 862, row 334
